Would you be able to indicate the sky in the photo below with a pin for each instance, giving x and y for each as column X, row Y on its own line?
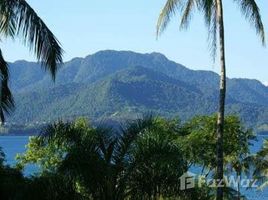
column 84, row 27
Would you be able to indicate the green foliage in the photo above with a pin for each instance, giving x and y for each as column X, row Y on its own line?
column 158, row 162
column 103, row 164
column 48, row 153
column 47, row 158
column 142, row 159
column 202, row 133
column 200, row 143
column 6, row 101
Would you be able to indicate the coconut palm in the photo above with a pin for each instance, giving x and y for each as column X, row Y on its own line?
column 17, row 18
column 213, row 16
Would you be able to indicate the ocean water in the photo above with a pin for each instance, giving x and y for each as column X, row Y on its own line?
column 12, row 145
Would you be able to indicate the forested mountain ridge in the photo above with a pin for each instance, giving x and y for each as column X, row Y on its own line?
column 124, row 84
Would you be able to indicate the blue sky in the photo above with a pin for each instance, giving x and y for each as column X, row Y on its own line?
column 86, row 26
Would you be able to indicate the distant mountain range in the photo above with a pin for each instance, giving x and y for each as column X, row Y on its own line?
column 119, row 85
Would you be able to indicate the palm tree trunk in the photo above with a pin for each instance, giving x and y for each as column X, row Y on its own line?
column 220, row 120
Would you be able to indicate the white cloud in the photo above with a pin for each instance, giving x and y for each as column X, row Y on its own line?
column 265, row 83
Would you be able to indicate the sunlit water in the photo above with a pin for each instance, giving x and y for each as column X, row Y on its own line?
column 12, row 145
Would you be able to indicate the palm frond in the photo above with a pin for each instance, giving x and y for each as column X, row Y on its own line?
column 107, row 141
column 210, row 15
column 129, row 133
column 18, row 18
column 61, row 134
column 7, row 21
column 167, row 12
column 250, row 9
column 7, row 101
column 56, row 130
column 186, row 16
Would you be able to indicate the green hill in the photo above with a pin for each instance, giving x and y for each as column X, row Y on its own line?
column 123, row 84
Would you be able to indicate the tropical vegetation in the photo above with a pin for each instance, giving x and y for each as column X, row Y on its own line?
column 141, row 159
column 214, row 19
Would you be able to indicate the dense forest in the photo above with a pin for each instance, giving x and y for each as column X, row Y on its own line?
column 118, row 85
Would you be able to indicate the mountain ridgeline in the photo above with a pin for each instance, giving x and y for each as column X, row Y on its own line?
column 115, row 85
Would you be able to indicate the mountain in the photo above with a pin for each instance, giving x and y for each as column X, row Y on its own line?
column 118, row 85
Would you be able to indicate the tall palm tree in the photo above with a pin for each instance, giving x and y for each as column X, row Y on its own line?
column 213, row 15
column 17, row 18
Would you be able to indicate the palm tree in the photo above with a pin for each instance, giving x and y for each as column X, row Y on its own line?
column 96, row 160
column 17, row 18
column 213, row 15
column 140, row 160
column 158, row 163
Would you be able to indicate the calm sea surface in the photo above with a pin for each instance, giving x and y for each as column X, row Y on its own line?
column 16, row 144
